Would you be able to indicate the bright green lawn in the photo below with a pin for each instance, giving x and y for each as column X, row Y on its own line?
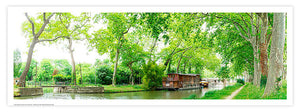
column 221, row 94
column 252, row 92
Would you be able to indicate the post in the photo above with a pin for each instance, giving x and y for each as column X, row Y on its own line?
column 80, row 72
column 35, row 75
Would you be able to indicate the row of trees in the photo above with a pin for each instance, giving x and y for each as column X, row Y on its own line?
column 99, row 73
column 178, row 42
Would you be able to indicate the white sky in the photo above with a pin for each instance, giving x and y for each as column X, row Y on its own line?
column 54, row 51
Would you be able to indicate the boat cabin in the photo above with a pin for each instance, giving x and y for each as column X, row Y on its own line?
column 176, row 81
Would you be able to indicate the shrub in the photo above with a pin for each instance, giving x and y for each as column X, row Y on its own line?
column 241, row 81
column 61, row 78
column 153, row 74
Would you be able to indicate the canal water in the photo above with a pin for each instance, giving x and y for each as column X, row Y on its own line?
column 180, row 94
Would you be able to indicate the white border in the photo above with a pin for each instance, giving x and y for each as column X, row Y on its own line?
column 12, row 9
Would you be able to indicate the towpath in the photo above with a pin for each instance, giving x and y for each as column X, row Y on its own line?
column 234, row 93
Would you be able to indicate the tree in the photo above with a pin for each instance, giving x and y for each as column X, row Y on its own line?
column 256, row 29
column 276, row 54
column 31, row 71
column 223, row 73
column 74, row 28
column 30, row 28
column 155, row 24
column 63, row 66
column 132, row 53
column 112, row 39
column 17, row 63
column 46, row 70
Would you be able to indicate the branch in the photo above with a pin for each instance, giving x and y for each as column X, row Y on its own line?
column 62, row 21
column 79, row 27
column 51, row 39
column 237, row 26
column 44, row 17
column 44, row 25
column 127, row 30
column 245, row 23
column 240, row 33
column 32, row 24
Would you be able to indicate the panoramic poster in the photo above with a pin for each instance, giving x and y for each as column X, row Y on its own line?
column 149, row 55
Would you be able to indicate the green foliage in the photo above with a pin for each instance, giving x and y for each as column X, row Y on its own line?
column 45, row 71
column 62, row 78
column 241, row 81
column 17, row 63
column 104, row 75
column 63, row 66
column 32, row 70
column 223, row 72
column 153, row 74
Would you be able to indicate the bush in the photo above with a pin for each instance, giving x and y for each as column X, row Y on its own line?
column 241, row 81
column 104, row 74
column 62, row 78
column 153, row 74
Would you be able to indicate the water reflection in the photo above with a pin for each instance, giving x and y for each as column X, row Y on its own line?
column 130, row 95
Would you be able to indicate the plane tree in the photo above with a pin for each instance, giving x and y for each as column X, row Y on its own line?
column 37, row 30
column 74, row 28
column 111, row 39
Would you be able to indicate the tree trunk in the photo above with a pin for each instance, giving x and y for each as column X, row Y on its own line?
column 263, row 44
column 72, row 60
column 131, row 75
column 190, row 68
column 257, row 76
column 22, row 79
column 224, row 83
column 80, row 74
column 178, row 65
column 169, row 66
column 116, row 67
column 276, row 53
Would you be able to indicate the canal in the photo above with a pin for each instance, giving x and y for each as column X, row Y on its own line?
column 128, row 95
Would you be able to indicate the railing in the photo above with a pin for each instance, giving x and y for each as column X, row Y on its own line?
column 45, row 83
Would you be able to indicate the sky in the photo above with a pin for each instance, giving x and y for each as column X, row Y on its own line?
column 54, row 51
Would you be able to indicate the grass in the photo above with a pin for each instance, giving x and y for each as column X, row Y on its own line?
column 217, row 94
column 221, row 94
column 252, row 92
column 118, row 88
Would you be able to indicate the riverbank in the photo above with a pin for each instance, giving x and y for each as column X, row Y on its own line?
column 218, row 94
column 252, row 92
column 121, row 89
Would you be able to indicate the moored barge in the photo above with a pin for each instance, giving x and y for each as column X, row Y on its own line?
column 176, row 81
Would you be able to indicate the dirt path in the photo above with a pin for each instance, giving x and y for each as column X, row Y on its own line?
column 234, row 93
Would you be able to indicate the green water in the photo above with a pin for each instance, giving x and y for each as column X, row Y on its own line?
column 128, row 95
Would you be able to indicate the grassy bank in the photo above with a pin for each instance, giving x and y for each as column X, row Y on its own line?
column 221, row 94
column 118, row 88
column 252, row 92
column 218, row 94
